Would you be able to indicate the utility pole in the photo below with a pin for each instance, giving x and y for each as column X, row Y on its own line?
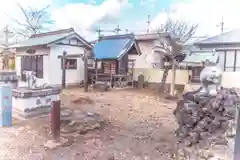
column 6, row 34
column 117, row 30
column 99, row 32
column 148, row 23
column 221, row 25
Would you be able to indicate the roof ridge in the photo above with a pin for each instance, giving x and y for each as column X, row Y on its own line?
column 220, row 34
column 119, row 36
column 56, row 32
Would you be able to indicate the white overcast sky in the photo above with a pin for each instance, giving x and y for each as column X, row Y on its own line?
column 206, row 13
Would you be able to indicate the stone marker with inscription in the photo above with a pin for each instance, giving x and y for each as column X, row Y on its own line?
column 5, row 105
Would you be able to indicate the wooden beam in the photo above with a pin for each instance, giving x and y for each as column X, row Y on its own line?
column 71, row 56
column 27, row 54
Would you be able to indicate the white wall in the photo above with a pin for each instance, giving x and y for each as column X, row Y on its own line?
column 55, row 71
column 231, row 79
column 150, row 58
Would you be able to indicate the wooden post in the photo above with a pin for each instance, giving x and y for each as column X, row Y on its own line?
column 64, row 69
column 85, row 71
column 96, row 71
column 55, row 119
column 64, row 58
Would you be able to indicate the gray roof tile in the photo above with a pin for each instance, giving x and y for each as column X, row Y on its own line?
column 44, row 40
column 225, row 38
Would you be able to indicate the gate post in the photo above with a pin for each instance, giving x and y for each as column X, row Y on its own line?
column 55, row 119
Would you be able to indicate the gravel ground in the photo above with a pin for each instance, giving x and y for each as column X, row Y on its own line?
column 139, row 126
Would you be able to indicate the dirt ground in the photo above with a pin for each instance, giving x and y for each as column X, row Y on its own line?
column 140, row 126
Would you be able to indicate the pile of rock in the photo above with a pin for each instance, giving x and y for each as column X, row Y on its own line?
column 101, row 86
column 78, row 122
column 204, row 119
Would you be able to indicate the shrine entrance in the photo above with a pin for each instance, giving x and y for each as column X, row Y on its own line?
column 32, row 63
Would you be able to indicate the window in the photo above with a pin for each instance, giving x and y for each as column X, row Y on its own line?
column 70, row 63
column 229, row 65
column 231, row 61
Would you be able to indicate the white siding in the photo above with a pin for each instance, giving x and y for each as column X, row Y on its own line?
column 149, row 58
column 73, row 76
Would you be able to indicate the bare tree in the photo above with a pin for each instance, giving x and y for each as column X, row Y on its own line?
column 180, row 32
column 179, row 28
column 34, row 21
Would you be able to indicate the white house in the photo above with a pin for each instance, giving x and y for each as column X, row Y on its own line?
column 40, row 53
column 151, row 62
column 226, row 47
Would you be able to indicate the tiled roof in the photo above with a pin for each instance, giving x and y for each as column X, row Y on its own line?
column 47, row 38
column 201, row 56
column 113, row 47
column 225, row 38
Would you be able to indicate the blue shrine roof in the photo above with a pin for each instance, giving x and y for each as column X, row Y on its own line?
column 113, row 47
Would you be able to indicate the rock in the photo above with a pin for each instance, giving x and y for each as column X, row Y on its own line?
column 80, row 123
column 52, row 144
column 204, row 122
column 200, row 118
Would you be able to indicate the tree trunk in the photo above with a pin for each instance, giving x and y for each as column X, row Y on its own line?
column 164, row 78
column 173, row 77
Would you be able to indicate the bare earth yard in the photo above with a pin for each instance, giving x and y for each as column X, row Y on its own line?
column 140, row 126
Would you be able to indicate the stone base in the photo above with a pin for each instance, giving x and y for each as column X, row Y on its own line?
column 36, row 112
column 29, row 103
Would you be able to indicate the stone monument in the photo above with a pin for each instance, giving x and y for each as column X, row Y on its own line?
column 34, row 99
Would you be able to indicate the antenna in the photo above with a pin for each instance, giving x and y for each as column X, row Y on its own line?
column 148, row 23
column 117, row 30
